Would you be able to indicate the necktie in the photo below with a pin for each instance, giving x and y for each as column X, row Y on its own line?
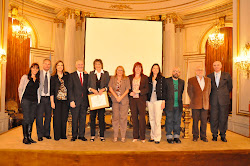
column 81, row 79
column 217, row 79
column 46, row 84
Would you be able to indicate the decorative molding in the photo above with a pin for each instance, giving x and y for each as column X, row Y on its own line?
column 121, row 7
column 170, row 18
column 154, row 18
column 179, row 26
column 70, row 13
column 222, row 21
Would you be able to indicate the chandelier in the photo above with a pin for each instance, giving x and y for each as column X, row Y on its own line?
column 21, row 31
column 216, row 39
column 243, row 61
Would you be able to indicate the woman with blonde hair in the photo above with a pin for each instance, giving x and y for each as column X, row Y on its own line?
column 59, row 99
column 119, row 87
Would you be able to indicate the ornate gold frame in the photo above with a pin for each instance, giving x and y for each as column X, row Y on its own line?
column 238, row 73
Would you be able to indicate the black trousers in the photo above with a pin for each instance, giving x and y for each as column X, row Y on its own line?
column 29, row 111
column 60, row 119
column 78, row 120
column 101, row 119
column 199, row 115
column 138, row 111
column 218, row 119
column 43, row 127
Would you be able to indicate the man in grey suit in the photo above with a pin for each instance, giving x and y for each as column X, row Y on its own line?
column 43, row 127
column 221, row 86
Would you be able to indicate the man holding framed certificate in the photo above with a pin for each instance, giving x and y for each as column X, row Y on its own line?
column 98, row 85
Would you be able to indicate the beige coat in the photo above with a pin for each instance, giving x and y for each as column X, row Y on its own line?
column 125, row 84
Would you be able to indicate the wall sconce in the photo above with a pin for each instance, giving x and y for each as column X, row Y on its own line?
column 3, row 58
column 243, row 60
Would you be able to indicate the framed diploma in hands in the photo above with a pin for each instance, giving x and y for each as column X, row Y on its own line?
column 98, row 101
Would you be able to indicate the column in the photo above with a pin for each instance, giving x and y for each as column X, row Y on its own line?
column 179, row 60
column 169, row 60
column 80, row 37
column 59, row 40
column 69, row 46
column 4, row 118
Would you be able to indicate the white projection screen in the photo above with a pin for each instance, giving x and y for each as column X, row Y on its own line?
column 123, row 42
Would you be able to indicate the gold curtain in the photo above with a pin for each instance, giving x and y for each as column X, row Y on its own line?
column 17, row 62
column 224, row 53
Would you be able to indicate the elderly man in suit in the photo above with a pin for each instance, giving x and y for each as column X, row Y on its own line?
column 221, row 83
column 174, row 106
column 43, row 126
column 78, row 98
column 199, row 88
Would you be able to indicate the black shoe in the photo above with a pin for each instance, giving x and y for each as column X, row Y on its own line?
column 102, row 139
column 73, row 138
column 83, row 138
column 177, row 140
column 40, row 139
column 57, row 139
column 48, row 137
column 150, row 140
column 223, row 139
column 26, row 141
column 204, row 139
column 157, row 142
column 195, row 139
column 170, row 141
column 214, row 139
column 63, row 137
column 29, row 133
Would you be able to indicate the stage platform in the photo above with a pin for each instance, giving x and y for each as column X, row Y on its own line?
column 64, row 152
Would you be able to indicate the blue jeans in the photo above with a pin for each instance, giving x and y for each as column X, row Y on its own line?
column 173, row 123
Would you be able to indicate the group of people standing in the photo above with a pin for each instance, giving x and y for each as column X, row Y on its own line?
column 41, row 91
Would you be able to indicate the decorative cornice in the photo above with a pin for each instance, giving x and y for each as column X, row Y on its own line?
column 70, row 13
column 121, row 7
column 179, row 26
column 222, row 21
column 154, row 18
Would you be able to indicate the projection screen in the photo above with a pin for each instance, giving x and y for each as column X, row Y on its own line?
column 123, row 42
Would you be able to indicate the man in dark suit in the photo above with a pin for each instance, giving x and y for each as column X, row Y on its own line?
column 174, row 105
column 221, row 86
column 78, row 98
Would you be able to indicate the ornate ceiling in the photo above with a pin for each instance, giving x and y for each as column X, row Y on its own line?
column 135, row 9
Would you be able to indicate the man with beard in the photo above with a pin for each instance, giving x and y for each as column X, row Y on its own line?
column 174, row 106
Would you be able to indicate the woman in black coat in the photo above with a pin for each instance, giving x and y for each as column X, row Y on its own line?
column 59, row 100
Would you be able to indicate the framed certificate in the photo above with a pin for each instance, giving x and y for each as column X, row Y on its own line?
column 98, row 101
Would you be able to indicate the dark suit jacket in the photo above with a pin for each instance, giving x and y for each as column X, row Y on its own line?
column 104, row 80
column 55, row 84
column 199, row 99
column 143, row 87
column 170, row 93
column 77, row 92
column 222, row 93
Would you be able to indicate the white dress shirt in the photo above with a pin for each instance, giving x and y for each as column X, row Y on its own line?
column 48, row 75
column 217, row 78
column 201, row 82
column 78, row 72
column 99, row 74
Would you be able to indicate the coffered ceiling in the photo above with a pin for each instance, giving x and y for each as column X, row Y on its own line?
column 135, row 9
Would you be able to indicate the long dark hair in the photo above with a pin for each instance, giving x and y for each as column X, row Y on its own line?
column 159, row 75
column 37, row 74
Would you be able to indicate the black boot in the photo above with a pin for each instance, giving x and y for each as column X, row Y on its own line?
column 29, row 133
column 25, row 134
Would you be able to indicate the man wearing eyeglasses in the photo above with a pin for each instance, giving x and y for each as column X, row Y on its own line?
column 174, row 106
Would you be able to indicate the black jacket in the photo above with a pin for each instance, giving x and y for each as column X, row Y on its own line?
column 222, row 93
column 160, row 88
column 55, row 84
column 170, row 93
column 77, row 92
